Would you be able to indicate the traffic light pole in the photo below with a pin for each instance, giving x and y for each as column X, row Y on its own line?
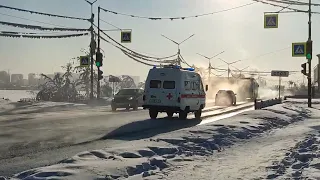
column 91, row 55
column 98, row 83
column 309, row 60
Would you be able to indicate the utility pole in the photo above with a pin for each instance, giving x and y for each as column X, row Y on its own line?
column 98, row 81
column 92, row 48
column 229, row 65
column 309, row 58
column 178, row 60
column 318, row 72
column 209, row 59
column 241, row 70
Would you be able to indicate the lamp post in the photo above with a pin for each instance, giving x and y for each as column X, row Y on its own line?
column 229, row 65
column 178, row 61
column 209, row 59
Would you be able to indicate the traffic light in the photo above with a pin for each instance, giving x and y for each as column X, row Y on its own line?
column 309, row 50
column 304, row 69
column 100, row 74
column 99, row 58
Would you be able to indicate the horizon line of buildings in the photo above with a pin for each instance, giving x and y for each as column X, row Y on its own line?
column 34, row 79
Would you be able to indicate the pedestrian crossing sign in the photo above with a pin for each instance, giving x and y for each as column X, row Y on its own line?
column 299, row 49
column 125, row 36
column 84, row 61
column 271, row 21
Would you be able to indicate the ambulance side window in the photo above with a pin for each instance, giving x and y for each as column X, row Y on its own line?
column 155, row 84
column 187, row 85
column 169, row 84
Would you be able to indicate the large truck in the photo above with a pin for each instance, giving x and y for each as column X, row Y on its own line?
column 248, row 89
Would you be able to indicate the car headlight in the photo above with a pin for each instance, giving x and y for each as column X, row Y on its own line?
column 130, row 98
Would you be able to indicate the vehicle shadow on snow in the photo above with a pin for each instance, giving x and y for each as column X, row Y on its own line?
column 149, row 128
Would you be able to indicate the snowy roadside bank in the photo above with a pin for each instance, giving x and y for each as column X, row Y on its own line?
column 8, row 107
column 148, row 157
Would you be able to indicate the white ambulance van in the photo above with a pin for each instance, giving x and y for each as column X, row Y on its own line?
column 173, row 89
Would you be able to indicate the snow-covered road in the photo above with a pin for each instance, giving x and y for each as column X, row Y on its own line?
column 32, row 138
column 271, row 143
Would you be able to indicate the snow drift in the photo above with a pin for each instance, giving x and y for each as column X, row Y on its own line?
column 148, row 157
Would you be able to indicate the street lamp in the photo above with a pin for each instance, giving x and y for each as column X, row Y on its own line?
column 209, row 59
column 91, row 3
column 229, row 65
column 179, row 61
column 240, row 70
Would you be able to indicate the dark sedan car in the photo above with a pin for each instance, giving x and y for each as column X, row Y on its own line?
column 225, row 98
column 127, row 98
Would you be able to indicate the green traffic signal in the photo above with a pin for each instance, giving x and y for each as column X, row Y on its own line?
column 308, row 56
column 98, row 64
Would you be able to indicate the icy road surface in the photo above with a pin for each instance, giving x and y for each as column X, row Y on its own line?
column 30, row 137
column 279, row 142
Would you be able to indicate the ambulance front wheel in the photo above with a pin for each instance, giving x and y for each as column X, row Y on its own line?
column 153, row 113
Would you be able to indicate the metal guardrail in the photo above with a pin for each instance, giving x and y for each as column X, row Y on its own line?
column 259, row 104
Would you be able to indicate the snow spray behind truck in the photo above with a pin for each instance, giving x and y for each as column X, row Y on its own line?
column 246, row 89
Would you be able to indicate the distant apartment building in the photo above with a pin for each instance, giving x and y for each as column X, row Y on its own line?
column 16, row 79
column 4, row 77
column 24, row 82
column 32, row 80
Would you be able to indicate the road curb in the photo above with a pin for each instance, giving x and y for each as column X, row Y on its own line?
column 228, row 111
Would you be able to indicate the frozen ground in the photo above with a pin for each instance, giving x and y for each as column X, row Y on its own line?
column 16, row 95
column 278, row 142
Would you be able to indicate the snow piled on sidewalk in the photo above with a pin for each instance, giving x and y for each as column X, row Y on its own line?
column 148, row 157
column 301, row 161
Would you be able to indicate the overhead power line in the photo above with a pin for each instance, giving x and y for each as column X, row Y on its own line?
column 138, row 54
column 177, row 17
column 26, row 26
column 41, row 22
column 293, row 9
column 138, row 57
column 42, row 36
column 110, row 24
column 295, row 3
column 19, row 32
column 42, row 13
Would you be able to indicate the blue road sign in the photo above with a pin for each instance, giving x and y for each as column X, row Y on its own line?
column 126, row 36
column 271, row 21
column 299, row 49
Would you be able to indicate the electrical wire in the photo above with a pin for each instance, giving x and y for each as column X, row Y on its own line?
column 132, row 56
column 34, row 36
column 41, row 22
column 27, row 26
column 136, row 53
column 19, row 32
column 293, row 9
column 42, row 13
column 110, row 24
column 178, row 17
column 295, row 3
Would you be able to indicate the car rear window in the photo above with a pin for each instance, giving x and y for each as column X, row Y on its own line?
column 169, row 84
column 127, row 92
column 155, row 84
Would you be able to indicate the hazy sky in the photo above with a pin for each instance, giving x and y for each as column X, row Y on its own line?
column 239, row 33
